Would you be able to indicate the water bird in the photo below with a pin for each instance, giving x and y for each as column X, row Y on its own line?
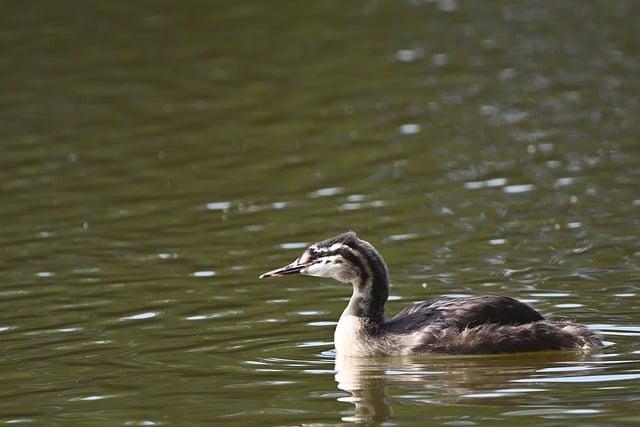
column 465, row 325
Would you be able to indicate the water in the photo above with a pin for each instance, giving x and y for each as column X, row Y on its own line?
column 157, row 157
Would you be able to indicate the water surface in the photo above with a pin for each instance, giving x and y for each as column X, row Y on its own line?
column 157, row 157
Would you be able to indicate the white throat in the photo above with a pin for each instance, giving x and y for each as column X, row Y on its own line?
column 349, row 336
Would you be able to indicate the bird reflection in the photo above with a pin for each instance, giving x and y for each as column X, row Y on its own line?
column 365, row 379
column 438, row 380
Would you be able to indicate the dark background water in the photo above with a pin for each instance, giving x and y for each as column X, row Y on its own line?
column 158, row 156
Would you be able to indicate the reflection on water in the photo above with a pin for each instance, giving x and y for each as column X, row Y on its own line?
column 365, row 381
column 157, row 157
column 507, row 381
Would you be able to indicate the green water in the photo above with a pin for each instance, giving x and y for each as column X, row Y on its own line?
column 158, row 156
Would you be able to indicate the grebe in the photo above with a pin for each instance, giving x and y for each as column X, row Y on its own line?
column 469, row 325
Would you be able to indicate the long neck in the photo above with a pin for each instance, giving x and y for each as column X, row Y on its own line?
column 371, row 286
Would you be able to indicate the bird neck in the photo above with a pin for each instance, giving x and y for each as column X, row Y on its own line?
column 370, row 287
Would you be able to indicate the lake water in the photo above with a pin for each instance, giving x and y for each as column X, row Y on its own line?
column 158, row 156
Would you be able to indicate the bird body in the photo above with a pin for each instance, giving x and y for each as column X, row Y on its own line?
column 469, row 325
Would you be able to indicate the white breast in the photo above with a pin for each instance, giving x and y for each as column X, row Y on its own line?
column 348, row 338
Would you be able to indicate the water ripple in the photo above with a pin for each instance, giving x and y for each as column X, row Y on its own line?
column 581, row 379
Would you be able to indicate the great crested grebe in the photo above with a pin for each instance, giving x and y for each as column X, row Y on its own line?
column 470, row 325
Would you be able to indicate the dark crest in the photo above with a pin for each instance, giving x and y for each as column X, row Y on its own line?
column 346, row 238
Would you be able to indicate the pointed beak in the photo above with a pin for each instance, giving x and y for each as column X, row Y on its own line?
column 292, row 268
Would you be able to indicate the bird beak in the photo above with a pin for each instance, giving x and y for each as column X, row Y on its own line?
column 292, row 268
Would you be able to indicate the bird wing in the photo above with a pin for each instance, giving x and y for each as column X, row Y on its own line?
column 468, row 312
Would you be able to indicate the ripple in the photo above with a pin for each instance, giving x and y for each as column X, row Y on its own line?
column 204, row 273
column 551, row 294
column 551, row 411
column 566, row 369
column 314, row 344
column 140, row 316
column 92, row 398
column 515, row 189
column 259, row 384
column 440, row 59
column 626, row 330
column 521, row 390
column 408, row 55
column 490, row 183
column 402, row 237
column 322, row 323
column 581, row 379
column 293, row 245
column 218, row 206
column 215, row 315
column 356, row 206
column 45, row 274
column 52, row 331
column 356, row 198
column 142, row 423
column 563, row 182
column 310, row 313
column 410, row 129
column 582, row 411
column 448, row 5
column 484, row 395
column 497, row 241
column 324, row 192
